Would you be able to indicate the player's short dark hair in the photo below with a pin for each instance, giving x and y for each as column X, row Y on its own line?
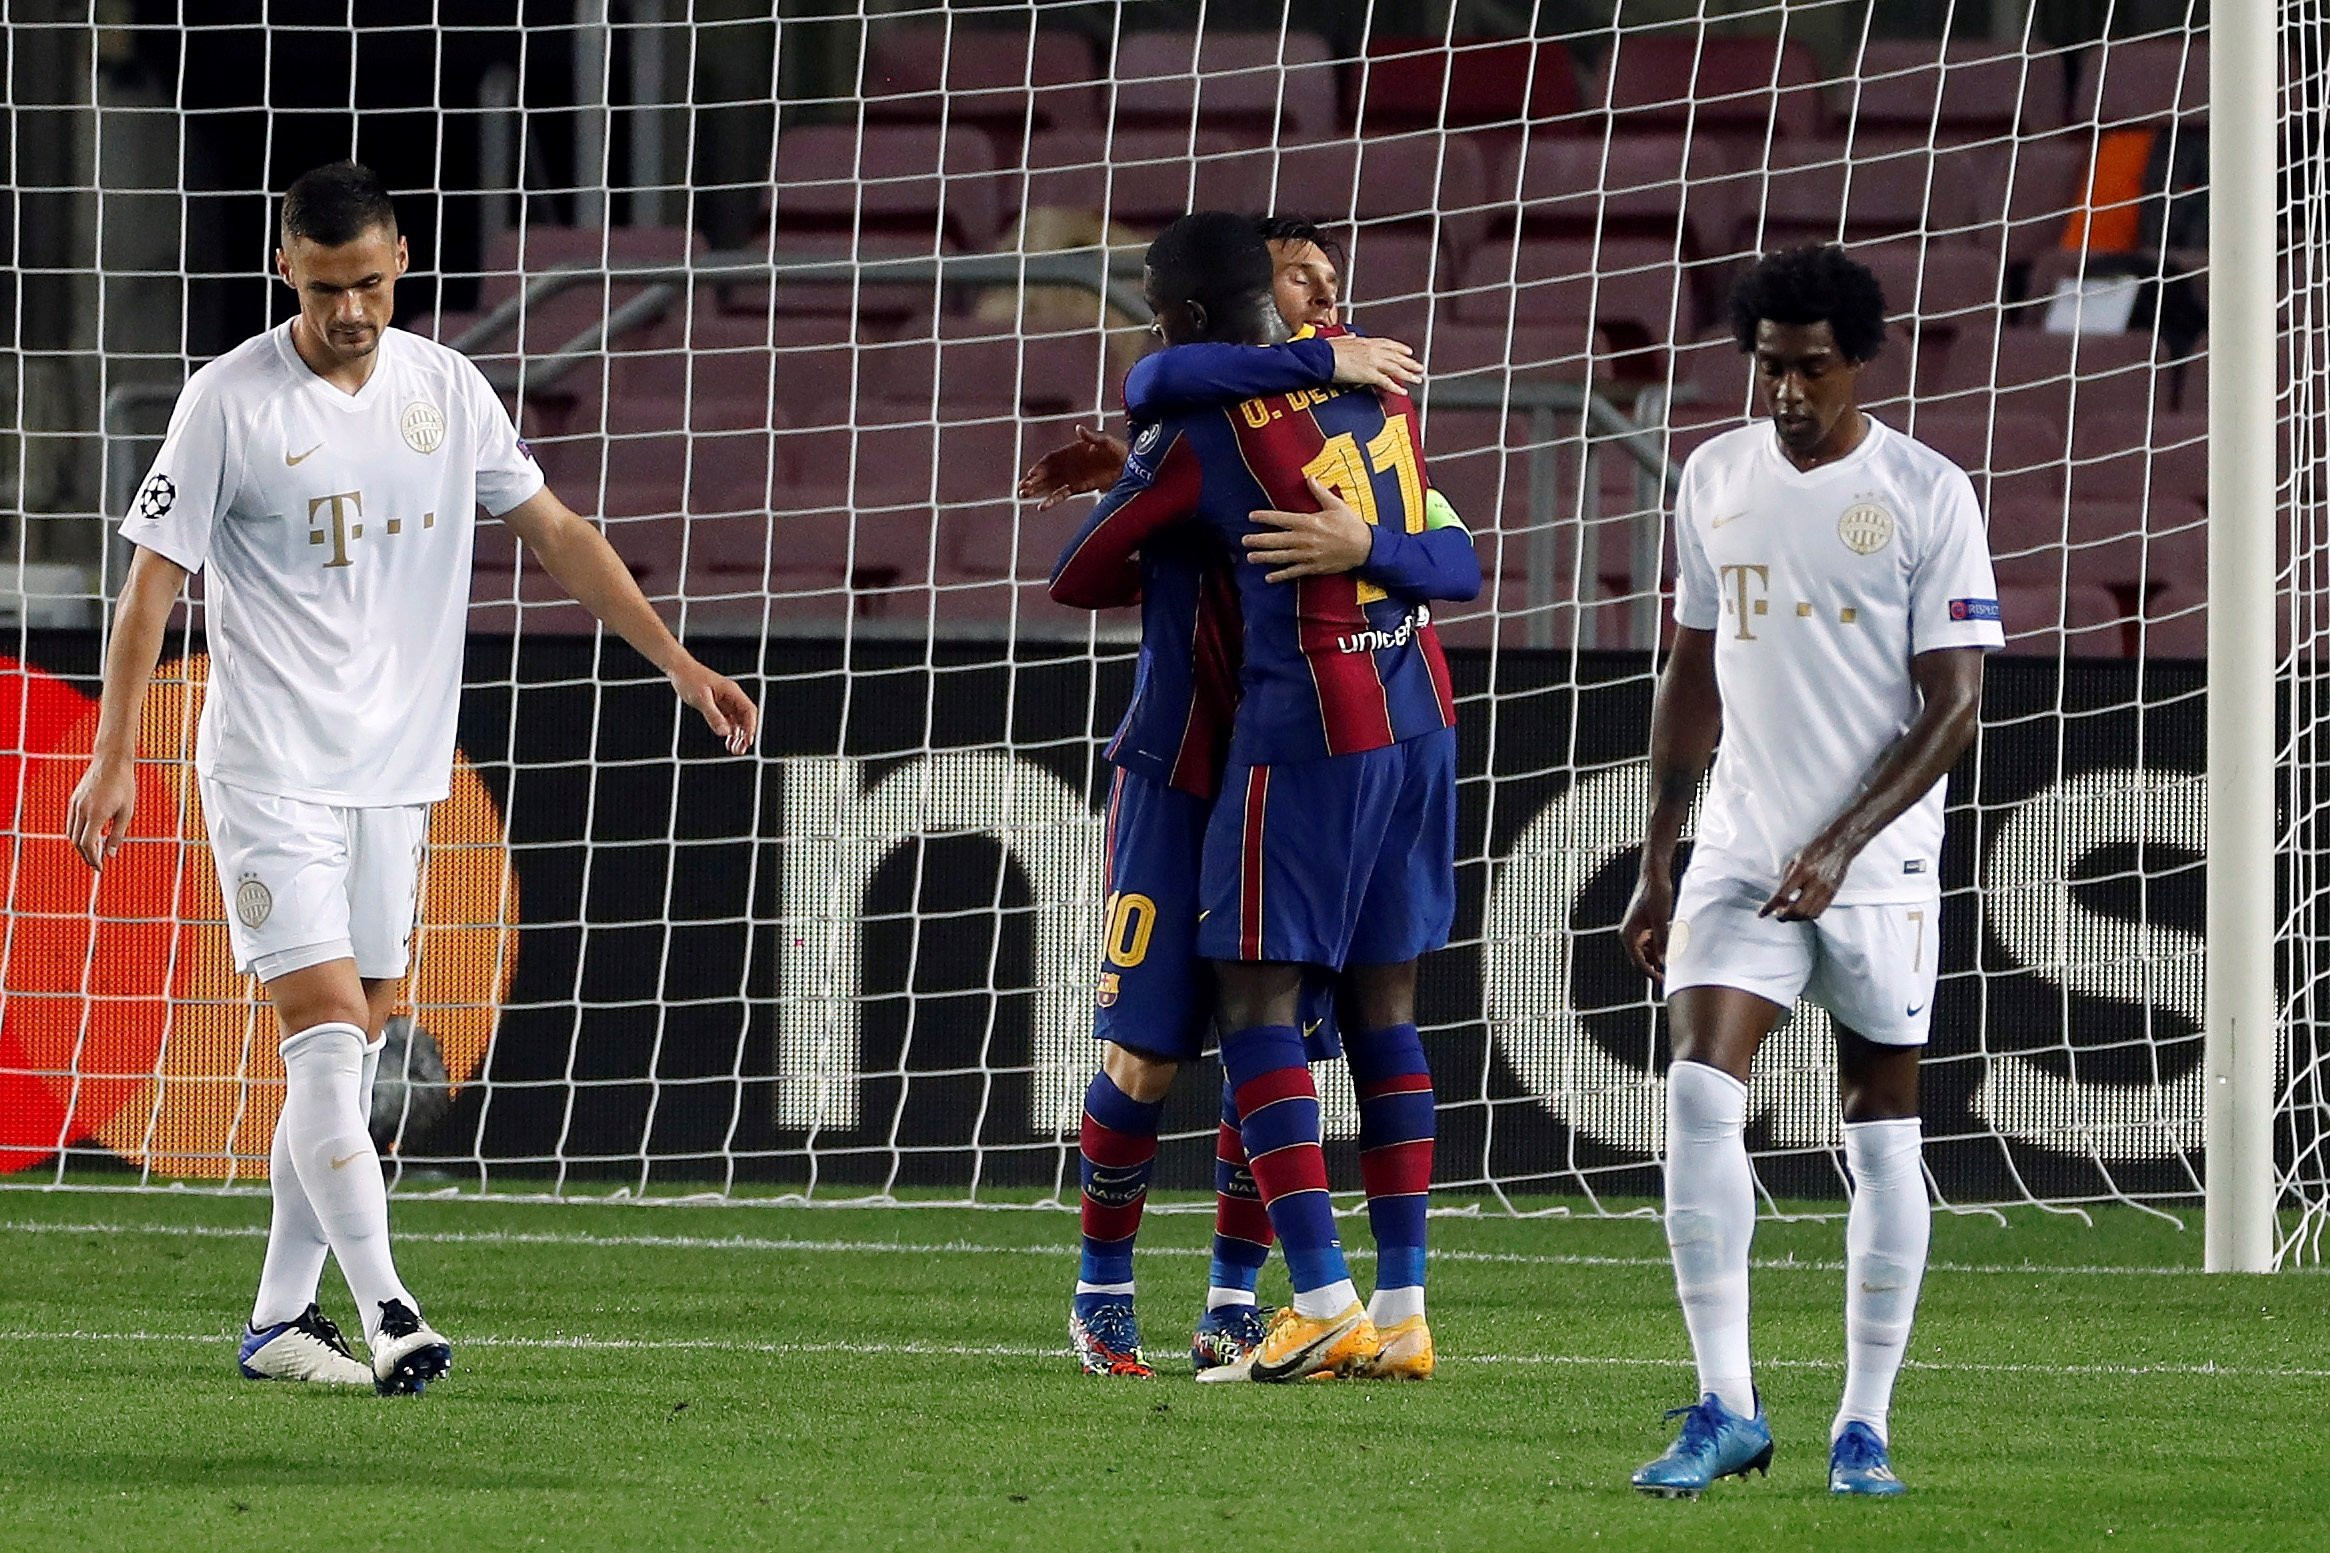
column 1300, row 229
column 336, row 203
column 1821, row 285
column 1212, row 258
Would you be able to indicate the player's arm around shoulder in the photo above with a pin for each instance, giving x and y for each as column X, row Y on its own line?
column 1161, row 485
column 1438, row 564
column 573, row 550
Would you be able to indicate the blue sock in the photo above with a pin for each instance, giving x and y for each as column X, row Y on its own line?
column 1119, row 1154
column 1396, row 1130
column 1278, row 1109
column 1242, row 1232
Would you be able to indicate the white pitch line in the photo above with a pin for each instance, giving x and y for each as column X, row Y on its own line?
column 1062, row 1249
column 588, row 1344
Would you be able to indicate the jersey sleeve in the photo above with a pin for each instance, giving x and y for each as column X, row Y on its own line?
column 1697, row 605
column 1438, row 564
column 1185, row 376
column 1953, row 594
column 506, row 471
column 1160, row 487
column 192, row 480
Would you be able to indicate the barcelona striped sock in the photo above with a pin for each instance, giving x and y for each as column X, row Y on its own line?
column 1278, row 1110
column 1119, row 1149
column 1242, row 1232
column 1394, row 1087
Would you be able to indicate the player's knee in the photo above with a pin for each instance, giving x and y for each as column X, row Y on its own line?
column 1142, row 1077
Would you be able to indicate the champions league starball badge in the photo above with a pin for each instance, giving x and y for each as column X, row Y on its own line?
column 156, row 498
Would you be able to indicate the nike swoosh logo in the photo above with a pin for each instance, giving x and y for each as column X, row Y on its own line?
column 1732, row 518
column 343, row 1159
column 1311, row 1026
column 1300, row 1357
column 1201, row 916
column 1913, row 1013
column 297, row 458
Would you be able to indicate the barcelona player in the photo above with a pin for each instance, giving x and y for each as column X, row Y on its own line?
column 1333, row 845
column 1155, row 1008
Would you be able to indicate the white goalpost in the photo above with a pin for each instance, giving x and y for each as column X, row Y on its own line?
column 790, row 303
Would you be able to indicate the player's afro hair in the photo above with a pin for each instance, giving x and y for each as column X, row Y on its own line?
column 1812, row 286
column 336, row 203
column 1212, row 258
column 1300, row 229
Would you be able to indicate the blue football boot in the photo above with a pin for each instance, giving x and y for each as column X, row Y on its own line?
column 1106, row 1336
column 1714, row 1443
column 1857, row 1465
column 1226, row 1334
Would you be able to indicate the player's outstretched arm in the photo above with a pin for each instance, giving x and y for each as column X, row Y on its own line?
column 1439, row 563
column 1686, row 719
column 1093, row 462
column 1182, row 377
column 578, row 555
column 1949, row 679
column 1099, row 569
column 97, row 816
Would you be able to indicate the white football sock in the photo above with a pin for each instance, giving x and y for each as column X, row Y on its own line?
column 1886, row 1232
column 295, row 1244
column 1124, row 1289
column 1711, row 1217
column 1390, row 1307
column 1332, row 1300
column 330, row 1146
column 1216, row 1297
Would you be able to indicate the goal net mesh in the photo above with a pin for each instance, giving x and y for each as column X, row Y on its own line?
column 791, row 305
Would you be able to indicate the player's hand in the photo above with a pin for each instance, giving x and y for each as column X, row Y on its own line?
column 98, row 814
column 1091, row 463
column 727, row 710
column 1371, row 361
column 1311, row 544
column 1813, row 877
column 1644, row 927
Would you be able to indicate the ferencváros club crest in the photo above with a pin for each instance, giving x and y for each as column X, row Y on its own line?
column 253, row 901
column 1866, row 527
column 423, row 425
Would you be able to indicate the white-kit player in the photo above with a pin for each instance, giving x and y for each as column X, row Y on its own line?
column 1834, row 601
column 327, row 475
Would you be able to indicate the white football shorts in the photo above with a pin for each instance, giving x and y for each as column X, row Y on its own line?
column 1872, row 967
column 308, row 882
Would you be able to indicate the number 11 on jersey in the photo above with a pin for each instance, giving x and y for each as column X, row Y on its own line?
column 1339, row 467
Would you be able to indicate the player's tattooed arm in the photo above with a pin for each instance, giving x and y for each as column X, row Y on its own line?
column 1949, row 683
column 97, row 817
column 1439, row 563
column 1182, row 377
column 1686, row 720
column 578, row 555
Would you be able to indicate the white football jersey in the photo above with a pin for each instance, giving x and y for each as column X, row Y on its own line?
column 1820, row 588
column 334, row 531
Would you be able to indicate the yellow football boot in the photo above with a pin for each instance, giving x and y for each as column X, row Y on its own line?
column 1403, row 1353
column 1297, row 1347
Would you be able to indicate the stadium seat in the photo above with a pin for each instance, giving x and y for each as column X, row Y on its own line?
column 1004, row 80
column 1412, row 83
column 1143, row 178
column 979, row 367
column 1631, row 287
column 1426, row 184
column 1740, row 90
column 1390, row 265
column 2078, row 621
column 2008, row 458
column 1951, row 287
column 1654, row 186
column 2176, row 624
column 2023, row 192
column 1954, row 90
column 518, row 257
column 1267, row 87
column 1816, row 193
column 926, row 182
column 2125, row 457
column 2142, row 80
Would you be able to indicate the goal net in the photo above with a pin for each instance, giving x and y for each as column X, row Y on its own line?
column 792, row 304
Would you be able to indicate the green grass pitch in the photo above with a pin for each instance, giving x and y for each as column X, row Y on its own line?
column 652, row 1377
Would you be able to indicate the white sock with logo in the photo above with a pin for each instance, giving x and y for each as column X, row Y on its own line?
column 329, row 1141
column 1711, row 1218
column 1886, row 1233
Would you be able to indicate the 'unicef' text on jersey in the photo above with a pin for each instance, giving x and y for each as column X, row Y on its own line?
column 334, row 533
column 1821, row 587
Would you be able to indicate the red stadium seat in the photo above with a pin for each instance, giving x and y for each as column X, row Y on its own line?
column 1734, row 88
column 1143, row 178
column 1814, row 194
column 2078, row 621
column 518, row 257
column 1004, row 80
column 2143, row 80
column 1960, row 89
column 2126, row 457
column 934, row 184
column 2176, row 624
column 2023, row 191
column 1269, row 87
column 1666, row 187
column 1426, row 83
column 1427, row 184
column 1631, row 288
column 1390, row 265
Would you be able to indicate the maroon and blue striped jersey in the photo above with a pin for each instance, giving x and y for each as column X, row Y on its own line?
column 1327, row 665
